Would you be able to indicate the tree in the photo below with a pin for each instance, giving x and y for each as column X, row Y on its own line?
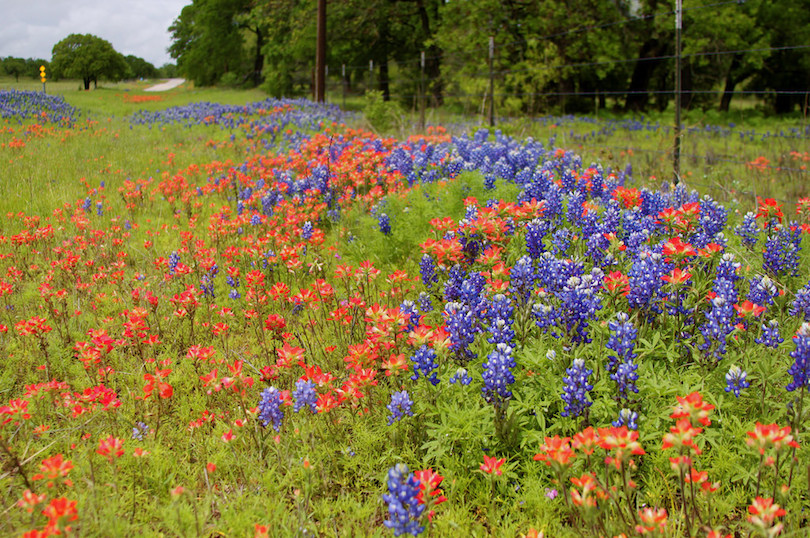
column 209, row 38
column 140, row 68
column 87, row 57
column 14, row 67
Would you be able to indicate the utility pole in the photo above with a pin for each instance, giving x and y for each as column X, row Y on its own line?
column 491, row 82
column 320, row 54
column 422, row 91
column 676, row 153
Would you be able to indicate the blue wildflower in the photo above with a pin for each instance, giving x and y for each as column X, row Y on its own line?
column 270, row 408
column 400, row 406
column 404, row 510
column 575, row 392
column 626, row 418
column 800, row 369
column 305, row 395
column 735, row 380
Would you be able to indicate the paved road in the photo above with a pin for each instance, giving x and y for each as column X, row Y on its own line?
column 168, row 85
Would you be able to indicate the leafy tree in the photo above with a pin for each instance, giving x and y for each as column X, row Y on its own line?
column 140, row 68
column 213, row 37
column 87, row 57
column 14, row 67
column 167, row 70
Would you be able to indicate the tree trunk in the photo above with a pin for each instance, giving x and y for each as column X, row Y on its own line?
column 86, row 81
column 385, row 86
column 433, row 56
column 731, row 83
column 258, row 59
column 637, row 96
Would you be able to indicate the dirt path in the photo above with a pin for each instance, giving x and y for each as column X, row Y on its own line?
column 164, row 86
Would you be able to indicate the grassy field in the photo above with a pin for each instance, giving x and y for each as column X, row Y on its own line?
column 266, row 320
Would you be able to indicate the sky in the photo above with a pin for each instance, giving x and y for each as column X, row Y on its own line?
column 31, row 28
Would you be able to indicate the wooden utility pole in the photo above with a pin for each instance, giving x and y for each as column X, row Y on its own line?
column 491, row 82
column 676, row 153
column 320, row 54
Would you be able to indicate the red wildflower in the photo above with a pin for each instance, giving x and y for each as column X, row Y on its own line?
column 492, row 465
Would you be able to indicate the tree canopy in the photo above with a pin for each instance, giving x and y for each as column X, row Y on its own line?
column 87, row 57
column 556, row 54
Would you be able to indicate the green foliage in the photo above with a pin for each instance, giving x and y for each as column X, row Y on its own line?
column 140, row 68
column 382, row 115
column 14, row 67
column 89, row 58
column 212, row 38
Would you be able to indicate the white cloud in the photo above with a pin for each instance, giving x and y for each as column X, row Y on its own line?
column 32, row 27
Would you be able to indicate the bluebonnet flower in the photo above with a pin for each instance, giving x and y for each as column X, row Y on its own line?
column 728, row 268
column 305, row 395
column 626, row 418
column 255, row 220
column 781, row 256
column 471, row 246
column 427, row 268
column 99, row 209
column 497, row 375
column 718, row 325
column 712, row 220
column 424, row 360
column 622, row 340
column 553, row 202
column 579, row 302
column 500, row 313
column 762, row 291
column 234, row 294
column 410, row 309
column 452, row 287
column 561, row 241
column 800, row 307
column 522, row 280
column 770, row 335
column 575, row 392
column 461, row 376
column 748, row 231
column 404, row 509
column 385, row 223
column 535, row 231
column 424, row 302
column 800, row 369
column 270, row 408
column 644, row 279
column 545, row 316
column 174, row 259
column 139, row 431
column 400, row 406
column 597, row 250
column 735, row 380
column 86, row 204
column 625, row 377
column 306, row 230
column 460, row 324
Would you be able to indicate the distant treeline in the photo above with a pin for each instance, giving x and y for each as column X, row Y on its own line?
column 135, row 68
column 550, row 54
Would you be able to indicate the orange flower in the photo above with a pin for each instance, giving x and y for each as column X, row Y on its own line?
column 652, row 520
column 693, row 407
column 555, row 451
column 54, row 468
column 492, row 465
column 110, row 447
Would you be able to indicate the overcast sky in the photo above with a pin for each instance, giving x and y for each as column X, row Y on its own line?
column 30, row 28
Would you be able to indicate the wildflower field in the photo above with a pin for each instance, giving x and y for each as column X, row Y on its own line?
column 260, row 319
